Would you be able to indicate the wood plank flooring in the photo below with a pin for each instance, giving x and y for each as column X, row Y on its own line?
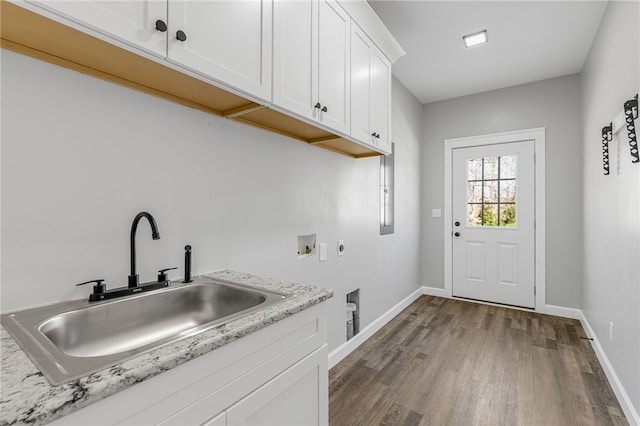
column 453, row 362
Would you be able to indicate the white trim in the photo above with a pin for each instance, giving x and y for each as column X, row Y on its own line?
column 538, row 136
column 434, row 291
column 623, row 398
column 561, row 311
column 341, row 352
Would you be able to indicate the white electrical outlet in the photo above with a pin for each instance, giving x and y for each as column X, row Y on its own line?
column 340, row 247
column 323, row 252
column 611, row 327
column 436, row 213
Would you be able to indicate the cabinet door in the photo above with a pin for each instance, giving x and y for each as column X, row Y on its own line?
column 295, row 56
column 228, row 40
column 133, row 21
column 381, row 100
column 298, row 396
column 333, row 61
column 360, row 85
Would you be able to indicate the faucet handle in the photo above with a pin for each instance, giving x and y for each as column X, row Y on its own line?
column 98, row 288
column 162, row 276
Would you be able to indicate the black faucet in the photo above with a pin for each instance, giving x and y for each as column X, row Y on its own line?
column 133, row 278
column 100, row 291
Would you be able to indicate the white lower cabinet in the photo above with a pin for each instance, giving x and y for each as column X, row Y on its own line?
column 275, row 376
column 300, row 389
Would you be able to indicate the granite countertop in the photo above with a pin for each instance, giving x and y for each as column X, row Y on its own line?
column 27, row 396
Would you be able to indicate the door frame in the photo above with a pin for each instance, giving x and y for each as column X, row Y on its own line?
column 538, row 137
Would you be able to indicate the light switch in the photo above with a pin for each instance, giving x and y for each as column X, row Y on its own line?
column 323, row 252
column 436, row 213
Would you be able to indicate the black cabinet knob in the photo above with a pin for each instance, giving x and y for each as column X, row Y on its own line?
column 457, row 234
column 324, row 109
column 457, row 224
column 181, row 36
column 317, row 105
column 161, row 26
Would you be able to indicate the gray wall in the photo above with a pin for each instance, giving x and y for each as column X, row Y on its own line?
column 81, row 156
column 612, row 203
column 553, row 104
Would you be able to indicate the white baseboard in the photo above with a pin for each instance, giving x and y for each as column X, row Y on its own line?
column 561, row 311
column 434, row 291
column 623, row 398
column 341, row 352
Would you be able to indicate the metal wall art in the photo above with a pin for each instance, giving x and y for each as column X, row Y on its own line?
column 631, row 114
column 607, row 136
column 628, row 117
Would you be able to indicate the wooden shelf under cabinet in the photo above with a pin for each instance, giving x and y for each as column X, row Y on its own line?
column 37, row 36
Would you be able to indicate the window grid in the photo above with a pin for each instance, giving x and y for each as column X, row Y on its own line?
column 497, row 203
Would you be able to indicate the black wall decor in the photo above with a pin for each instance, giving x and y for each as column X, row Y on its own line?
column 631, row 114
column 606, row 138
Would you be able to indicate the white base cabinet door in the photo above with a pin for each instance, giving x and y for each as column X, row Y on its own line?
column 296, row 397
column 227, row 40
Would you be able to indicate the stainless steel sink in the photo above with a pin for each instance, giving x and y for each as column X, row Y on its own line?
column 73, row 339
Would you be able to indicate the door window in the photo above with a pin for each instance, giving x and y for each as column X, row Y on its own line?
column 491, row 191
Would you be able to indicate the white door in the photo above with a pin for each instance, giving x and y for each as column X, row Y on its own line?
column 228, row 40
column 493, row 214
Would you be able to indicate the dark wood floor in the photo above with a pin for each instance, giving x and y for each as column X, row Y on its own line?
column 452, row 362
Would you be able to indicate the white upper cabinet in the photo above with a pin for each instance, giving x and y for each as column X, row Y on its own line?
column 334, row 60
column 295, row 56
column 370, row 93
column 381, row 100
column 311, row 61
column 133, row 22
column 305, row 58
column 361, row 48
column 229, row 40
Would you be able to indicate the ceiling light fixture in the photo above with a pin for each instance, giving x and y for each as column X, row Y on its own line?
column 475, row 39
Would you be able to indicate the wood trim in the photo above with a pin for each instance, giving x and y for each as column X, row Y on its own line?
column 6, row 44
column 246, row 109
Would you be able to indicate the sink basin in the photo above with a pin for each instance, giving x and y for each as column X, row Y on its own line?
column 73, row 339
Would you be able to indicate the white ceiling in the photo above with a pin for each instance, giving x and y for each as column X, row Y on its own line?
column 528, row 41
